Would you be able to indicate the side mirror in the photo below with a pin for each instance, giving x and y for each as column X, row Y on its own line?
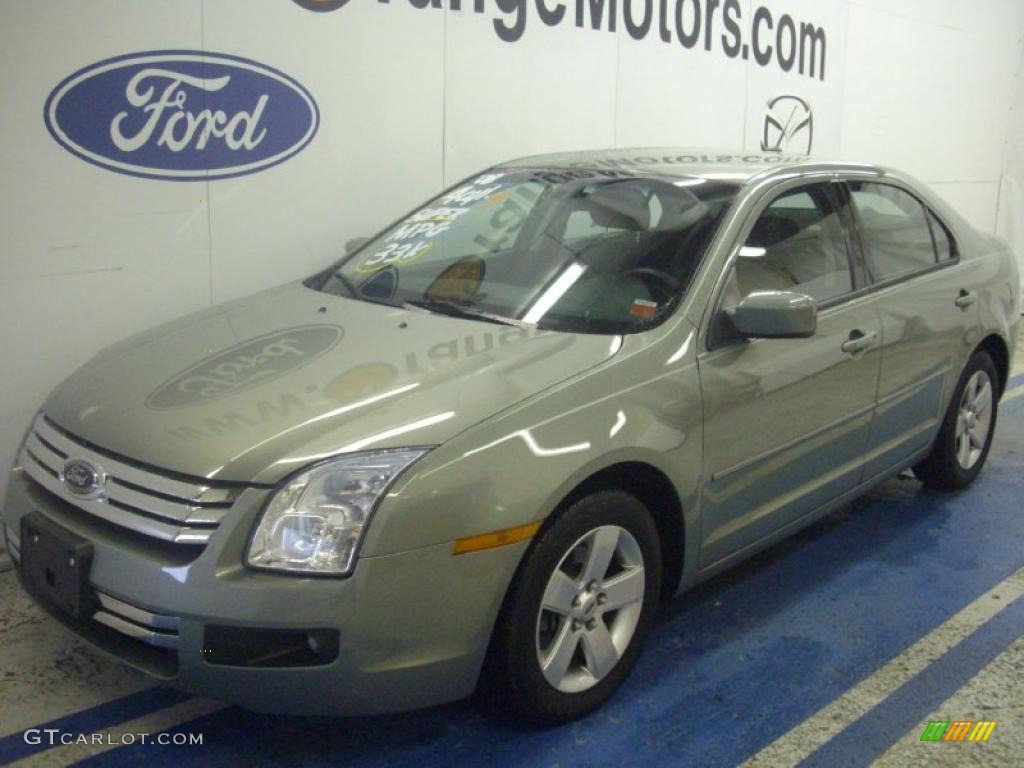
column 355, row 244
column 775, row 315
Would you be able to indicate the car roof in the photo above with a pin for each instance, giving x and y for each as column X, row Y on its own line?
column 712, row 164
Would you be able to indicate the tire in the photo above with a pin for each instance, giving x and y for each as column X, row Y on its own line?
column 597, row 638
column 965, row 437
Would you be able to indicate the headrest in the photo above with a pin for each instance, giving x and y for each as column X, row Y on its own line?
column 618, row 205
column 772, row 230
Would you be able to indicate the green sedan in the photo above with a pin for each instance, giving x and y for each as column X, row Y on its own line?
column 482, row 447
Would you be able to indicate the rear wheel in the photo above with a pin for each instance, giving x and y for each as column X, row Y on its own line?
column 581, row 607
column 965, row 437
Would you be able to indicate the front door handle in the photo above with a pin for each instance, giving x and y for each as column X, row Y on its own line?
column 859, row 341
column 965, row 299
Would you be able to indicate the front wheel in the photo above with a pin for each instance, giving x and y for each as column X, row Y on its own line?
column 965, row 437
column 581, row 607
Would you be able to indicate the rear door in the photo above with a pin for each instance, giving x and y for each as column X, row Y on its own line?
column 927, row 311
column 787, row 421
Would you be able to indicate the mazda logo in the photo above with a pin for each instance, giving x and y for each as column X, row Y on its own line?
column 788, row 126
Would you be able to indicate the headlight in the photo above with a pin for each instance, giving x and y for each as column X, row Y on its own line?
column 314, row 523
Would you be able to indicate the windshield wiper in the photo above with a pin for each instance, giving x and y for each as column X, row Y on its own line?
column 455, row 310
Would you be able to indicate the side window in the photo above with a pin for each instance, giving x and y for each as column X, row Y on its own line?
column 797, row 244
column 894, row 230
column 945, row 246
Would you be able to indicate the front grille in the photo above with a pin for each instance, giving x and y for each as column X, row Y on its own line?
column 164, row 506
column 151, row 628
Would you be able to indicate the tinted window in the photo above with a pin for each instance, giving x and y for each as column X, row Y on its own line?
column 797, row 244
column 579, row 251
column 894, row 230
column 944, row 245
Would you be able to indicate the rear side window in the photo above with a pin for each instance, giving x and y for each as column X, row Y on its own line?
column 945, row 246
column 894, row 229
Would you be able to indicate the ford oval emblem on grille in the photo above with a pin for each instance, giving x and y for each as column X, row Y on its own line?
column 81, row 478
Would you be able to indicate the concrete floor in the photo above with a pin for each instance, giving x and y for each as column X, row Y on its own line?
column 834, row 648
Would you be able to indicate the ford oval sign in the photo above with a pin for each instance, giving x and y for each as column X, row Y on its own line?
column 181, row 115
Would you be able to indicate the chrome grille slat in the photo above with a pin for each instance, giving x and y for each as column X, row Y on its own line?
column 37, row 462
column 138, row 615
column 115, row 515
column 143, row 501
column 125, row 627
column 180, row 512
column 161, row 483
column 152, row 628
column 35, row 444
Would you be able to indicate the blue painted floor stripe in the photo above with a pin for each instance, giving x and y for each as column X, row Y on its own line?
column 906, row 709
column 104, row 715
column 731, row 666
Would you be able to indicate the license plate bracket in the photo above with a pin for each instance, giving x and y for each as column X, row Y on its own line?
column 55, row 565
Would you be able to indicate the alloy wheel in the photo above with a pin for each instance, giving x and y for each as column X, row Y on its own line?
column 974, row 419
column 590, row 609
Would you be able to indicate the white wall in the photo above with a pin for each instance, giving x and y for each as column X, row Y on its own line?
column 411, row 99
column 1010, row 218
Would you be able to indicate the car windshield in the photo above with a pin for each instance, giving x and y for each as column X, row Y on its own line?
column 577, row 251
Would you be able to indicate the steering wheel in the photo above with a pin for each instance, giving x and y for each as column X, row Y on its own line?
column 658, row 280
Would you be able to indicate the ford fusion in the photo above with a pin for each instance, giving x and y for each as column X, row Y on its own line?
column 481, row 448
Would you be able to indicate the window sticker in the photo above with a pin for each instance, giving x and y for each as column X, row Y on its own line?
column 395, row 254
column 414, row 237
column 644, row 308
column 459, row 282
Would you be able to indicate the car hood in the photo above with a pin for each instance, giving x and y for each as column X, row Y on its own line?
column 255, row 389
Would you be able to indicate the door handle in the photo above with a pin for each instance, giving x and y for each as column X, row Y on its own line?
column 859, row 341
column 965, row 299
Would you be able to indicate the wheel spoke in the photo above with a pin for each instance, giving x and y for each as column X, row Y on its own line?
column 602, row 549
column 978, row 433
column 625, row 588
column 982, row 400
column 599, row 651
column 963, row 451
column 559, row 594
column 559, row 656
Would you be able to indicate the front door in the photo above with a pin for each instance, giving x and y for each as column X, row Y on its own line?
column 787, row 421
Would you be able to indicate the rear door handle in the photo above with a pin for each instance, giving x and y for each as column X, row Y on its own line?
column 965, row 299
column 859, row 341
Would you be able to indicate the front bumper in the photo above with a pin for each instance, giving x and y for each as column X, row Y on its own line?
column 413, row 627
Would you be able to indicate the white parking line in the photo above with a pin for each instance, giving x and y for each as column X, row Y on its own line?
column 993, row 694
column 799, row 742
column 116, row 736
column 1012, row 393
